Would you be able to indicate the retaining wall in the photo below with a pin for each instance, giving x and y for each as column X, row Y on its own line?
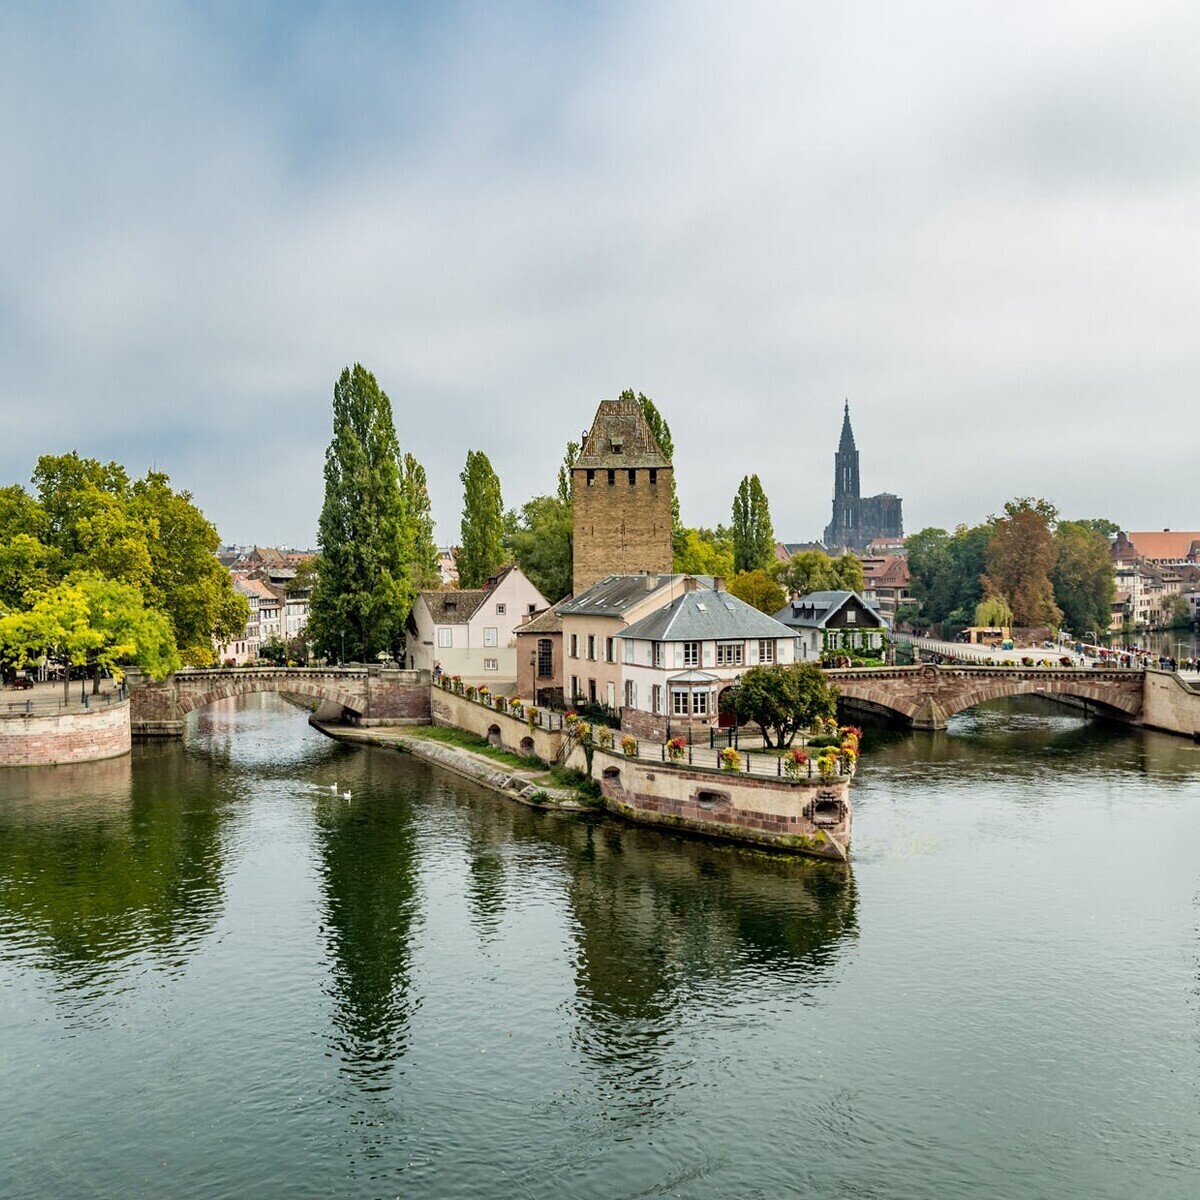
column 451, row 709
column 1170, row 704
column 68, row 737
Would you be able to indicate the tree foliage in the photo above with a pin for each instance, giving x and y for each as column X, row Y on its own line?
column 662, row 435
column 1020, row 555
column 364, row 589
column 89, row 520
column 993, row 612
column 782, row 699
column 481, row 548
column 758, row 589
column 814, row 571
column 1084, row 584
column 538, row 540
column 753, row 537
column 704, row 552
column 947, row 571
column 418, row 513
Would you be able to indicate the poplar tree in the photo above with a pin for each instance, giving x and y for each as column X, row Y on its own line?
column 364, row 590
column 481, row 550
column 662, row 435
column 419, row 513
column 753, row 537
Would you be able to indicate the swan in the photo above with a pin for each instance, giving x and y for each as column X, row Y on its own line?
column 345, row 795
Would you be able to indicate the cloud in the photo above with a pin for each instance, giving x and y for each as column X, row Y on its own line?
column 976, row 226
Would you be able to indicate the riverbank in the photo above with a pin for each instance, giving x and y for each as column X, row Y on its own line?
column 532, row 786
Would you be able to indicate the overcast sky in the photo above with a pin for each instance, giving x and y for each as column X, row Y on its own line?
column 979, row 222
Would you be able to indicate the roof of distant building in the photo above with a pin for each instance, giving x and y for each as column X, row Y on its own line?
column 786, row 550
column 1165, row 545
column 620, row 437
column 705, row 616
column 614, row 595
column 549, row 620
column 815, row 610
column 454, row 606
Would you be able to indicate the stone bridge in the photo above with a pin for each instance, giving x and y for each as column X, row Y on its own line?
column 366, row 695
column 926, row 696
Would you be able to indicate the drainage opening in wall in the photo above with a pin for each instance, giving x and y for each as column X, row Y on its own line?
column 612, row 773
column 493, row 734
column 707, row 799
column 827, row 811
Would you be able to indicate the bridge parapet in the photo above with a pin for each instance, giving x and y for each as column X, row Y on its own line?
column 370, row 695
column 926, row 696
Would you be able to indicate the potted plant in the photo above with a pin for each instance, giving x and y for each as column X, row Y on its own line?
column 604, row 738
column 675, row 749
column 795, row 764
column 629, row 746
column 730, row 759
column 827, row 763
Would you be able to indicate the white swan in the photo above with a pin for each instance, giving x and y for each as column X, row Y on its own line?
column 345, row 795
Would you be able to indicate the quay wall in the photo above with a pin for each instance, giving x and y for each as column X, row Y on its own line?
column 47, row 739
column 807, row 816
column 514, row 733
column 1170, row 705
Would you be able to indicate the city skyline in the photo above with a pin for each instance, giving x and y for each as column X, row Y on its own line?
column 973, row 226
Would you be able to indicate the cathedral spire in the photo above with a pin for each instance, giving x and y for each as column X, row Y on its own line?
column 847, row 442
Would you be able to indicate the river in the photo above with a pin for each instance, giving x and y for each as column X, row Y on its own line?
column 221, row 978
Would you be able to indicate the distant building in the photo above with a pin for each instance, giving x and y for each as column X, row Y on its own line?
column 621, row 498
column 834, row 623
column 858, row 520
column 1157, row 548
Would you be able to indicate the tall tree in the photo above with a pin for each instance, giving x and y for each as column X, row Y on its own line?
column 1083, row 578
column 705, row 552
column 538, row 540
column 759, row 590
column 418, row 513
column 1020, row 556
column 753, row 537
column 481, row 550
column 947, row 572
column 364, row 589
column 662, row 435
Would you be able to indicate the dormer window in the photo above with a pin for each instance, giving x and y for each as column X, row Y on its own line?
column 617, row 446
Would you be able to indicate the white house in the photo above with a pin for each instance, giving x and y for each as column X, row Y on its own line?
column 471, row 633
column 834, row 623
column 679, row 660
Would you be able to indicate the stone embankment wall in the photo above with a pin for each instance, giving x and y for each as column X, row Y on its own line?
column 513, row 733
column 812, row 817
column 1170, row 704
column 68, row 737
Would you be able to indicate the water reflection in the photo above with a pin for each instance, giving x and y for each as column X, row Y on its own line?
column 101, row 861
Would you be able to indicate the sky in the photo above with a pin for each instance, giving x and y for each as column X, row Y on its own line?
column 979, row 223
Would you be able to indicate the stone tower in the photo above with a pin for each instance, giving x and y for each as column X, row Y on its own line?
column 621, row 497
column 843, row 529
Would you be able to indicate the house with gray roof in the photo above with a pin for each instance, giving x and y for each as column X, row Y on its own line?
column 826, row 623
column 678, row 660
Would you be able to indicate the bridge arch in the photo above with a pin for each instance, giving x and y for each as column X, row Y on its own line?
column 927, row 696
column 193, row 695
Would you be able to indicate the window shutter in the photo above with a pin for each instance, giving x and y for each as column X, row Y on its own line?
column 708, row 654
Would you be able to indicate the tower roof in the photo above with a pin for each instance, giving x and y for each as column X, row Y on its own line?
column 620, row 437
column 847, row 442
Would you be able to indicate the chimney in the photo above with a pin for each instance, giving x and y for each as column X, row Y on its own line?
column 690, row 584
column 718, row 583
column 651, row 582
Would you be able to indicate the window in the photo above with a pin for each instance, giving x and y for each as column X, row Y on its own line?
column 656, row 698
column 612, row 477
column 445, row 637
column 766, row 652
column 591, row 478
column 573, row 646
column 617, row 446
column 851, row 616
column 653, row 476
column 489, row 635
column 630, row 694
column 610, row 649
column 679, row 703
column 592, row 691
column 489, row 664
column 632, row 478
column 545, row 659
column 574, row 686
column 691, row 654
column 700, row 704
column 729, row 654
column 658, row 653
column 628, row 649
column 591, row 646
column 500, row 609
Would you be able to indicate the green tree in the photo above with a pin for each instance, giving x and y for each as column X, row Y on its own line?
column 564, row 473
column 662, row 435
column 364, row 588
column 814, row 571
column 185, row 579
column 1020, row 556
column 704, row 552
column 481, row 550
column 947, row 571
column 993, row 612
column 1082, row 575
column 782, row 699
column 757, row 588
column 539, row 542
column 25, row 566
column 418, row 512
column 753, row 537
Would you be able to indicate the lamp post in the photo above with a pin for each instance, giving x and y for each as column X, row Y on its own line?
column 342, row 660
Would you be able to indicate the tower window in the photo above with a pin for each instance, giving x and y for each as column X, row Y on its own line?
column 632, row 478
column 612, row 477
column 591, row 478
column 617, row 446
column 653, row 476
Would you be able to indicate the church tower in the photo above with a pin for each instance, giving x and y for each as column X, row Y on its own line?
column 844, row 528
column 621, row 498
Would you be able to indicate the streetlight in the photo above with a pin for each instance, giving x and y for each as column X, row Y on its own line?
column 342, row 660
